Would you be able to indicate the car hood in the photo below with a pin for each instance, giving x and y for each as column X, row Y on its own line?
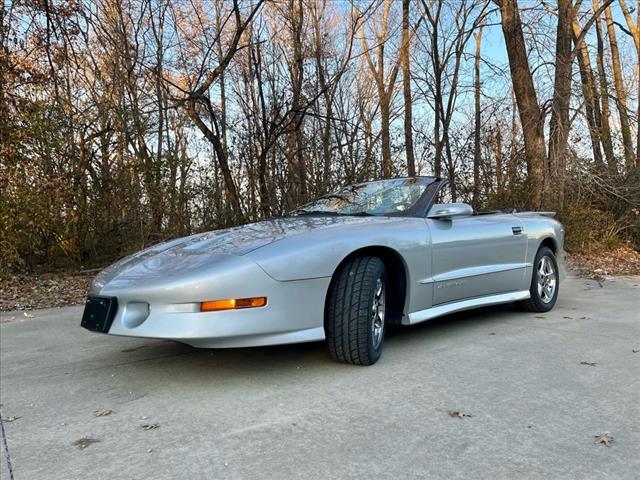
column 187, row 255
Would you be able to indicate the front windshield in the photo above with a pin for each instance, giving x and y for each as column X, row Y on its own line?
column 385, row 197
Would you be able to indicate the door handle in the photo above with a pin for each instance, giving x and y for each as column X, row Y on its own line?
column 516, row 230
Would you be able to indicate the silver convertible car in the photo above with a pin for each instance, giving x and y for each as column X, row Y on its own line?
column 340, row 269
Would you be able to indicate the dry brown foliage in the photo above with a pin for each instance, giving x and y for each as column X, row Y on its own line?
column 26, row 292
column 623, row 260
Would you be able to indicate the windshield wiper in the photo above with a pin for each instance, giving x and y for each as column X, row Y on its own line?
column 359, row 214
column 302, row 212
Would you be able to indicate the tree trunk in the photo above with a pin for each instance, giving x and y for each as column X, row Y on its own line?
column 590, row 93
column 437, row 157
column 512, row 168
column 385, row 86
column 223, row 83
column 634, row 29
column 496, row 146
column 605, row 128
column 385, row 116
column 531, row 117
column 216, row 142
column 621, row 93
column 559, row 124
column 327, row 96
column 406, row 90
column 437, row 96
column 476, row 140
column 294, row 138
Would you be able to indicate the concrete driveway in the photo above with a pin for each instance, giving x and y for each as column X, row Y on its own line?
column 290, row 412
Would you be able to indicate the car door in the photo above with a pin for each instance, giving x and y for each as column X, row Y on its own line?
column 476, row 255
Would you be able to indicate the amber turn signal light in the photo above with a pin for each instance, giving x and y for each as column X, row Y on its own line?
column 232, row 304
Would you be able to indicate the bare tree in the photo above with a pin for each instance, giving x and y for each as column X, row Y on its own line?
column 591, row 97
column 634, row 31
column 446, row 50
column 99, row 101
column 531, row 116
column 621, row 92
column 294, row 25
column 198, row 104
column 559, row 124
column 605, row 128
column 385, row 82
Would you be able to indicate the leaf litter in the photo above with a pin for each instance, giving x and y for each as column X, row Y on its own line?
column 30, row 292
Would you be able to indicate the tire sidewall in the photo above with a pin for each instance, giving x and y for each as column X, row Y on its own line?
column 535, row 297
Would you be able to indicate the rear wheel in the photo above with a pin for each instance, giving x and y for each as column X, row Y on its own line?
column 356, row 311
column 545, row 282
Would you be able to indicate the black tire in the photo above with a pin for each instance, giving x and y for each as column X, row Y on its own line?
column 351, row 311
column 542, row 302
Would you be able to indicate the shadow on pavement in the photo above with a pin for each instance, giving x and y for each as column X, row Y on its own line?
column 184, row 360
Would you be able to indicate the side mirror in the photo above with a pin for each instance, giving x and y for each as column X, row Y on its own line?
column 448, row 210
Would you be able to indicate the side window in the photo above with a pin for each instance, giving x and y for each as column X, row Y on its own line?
column 444, row 194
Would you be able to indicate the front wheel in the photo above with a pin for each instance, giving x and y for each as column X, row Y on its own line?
column 356, row 311
column 545, row 282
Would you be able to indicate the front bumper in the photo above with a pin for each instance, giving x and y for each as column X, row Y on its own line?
column 170, row 310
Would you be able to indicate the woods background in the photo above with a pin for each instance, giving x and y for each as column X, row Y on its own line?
column 125, row 122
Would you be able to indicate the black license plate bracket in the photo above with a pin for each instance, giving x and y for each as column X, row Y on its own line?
column 99, row 313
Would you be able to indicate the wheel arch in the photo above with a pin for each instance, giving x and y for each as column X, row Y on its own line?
column 396, row 268
column 550, row 243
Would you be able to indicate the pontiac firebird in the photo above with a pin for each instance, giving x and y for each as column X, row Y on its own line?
column 340, row 269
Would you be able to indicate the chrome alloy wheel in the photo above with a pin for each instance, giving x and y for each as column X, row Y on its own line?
column 378, row 311
column 547, row 279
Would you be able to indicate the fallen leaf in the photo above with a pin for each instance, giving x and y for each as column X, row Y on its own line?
column 492, row 333
column 10, row 419
column 606, row 439
column 28, row 315
column 590, row 364
column 568, row 318
column 459, row 414
column 84, row 442
column 635, row 350
column 150, row 426
column 103, row 412
column 9, row 318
